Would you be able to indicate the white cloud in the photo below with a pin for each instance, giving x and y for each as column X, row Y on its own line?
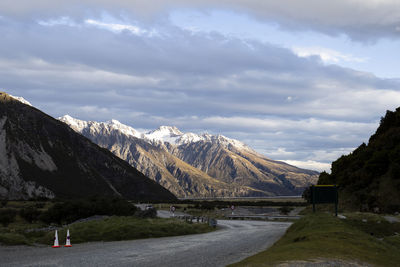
column 117, row 27
column 274, row 124
column 67, row 21
column 310, row 165
column 327, row 55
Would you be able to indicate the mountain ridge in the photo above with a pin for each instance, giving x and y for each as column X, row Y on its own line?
column 217, row 158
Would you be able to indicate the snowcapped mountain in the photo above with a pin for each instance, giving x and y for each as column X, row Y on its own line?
column 100, row 127
column 190, row 164
column 162, row 135
column 173, row 136
column 21, row 99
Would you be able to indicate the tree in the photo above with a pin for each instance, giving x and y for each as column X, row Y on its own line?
column 307, row 194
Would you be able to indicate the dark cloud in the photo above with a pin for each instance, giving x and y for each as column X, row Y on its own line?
column 365, row 21
column 289, row 107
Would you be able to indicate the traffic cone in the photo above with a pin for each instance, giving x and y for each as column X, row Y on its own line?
column 56, row 245
column 68, row 242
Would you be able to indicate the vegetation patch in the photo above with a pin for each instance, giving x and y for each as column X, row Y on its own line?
column 322, row 235
column 125, row 228
column 31, row 222
column 72, row 210
column 369, row 177
column 13, row 239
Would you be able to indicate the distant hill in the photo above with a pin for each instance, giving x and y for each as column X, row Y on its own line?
column 369, row 177
column 196, row 165
column 42, row 157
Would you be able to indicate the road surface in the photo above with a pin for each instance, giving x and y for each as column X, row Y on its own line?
column 234, row 242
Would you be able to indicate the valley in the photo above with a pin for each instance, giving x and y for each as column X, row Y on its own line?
column 200, row 133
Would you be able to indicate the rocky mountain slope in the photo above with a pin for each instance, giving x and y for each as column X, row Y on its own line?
column 369, row 177
column 42, row 157
column 196, row 165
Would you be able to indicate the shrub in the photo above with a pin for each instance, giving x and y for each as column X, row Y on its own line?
column 30, row 214
column 285, row 210
column 13, row 239
column 7, row 216
column 207, row 206
column 148, row 213
column 70, row 211
column 307, row 194
column 40, row 205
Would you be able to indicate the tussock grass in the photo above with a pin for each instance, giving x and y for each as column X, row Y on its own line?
column 13, row 239
column 110, row 229
column 322, row 235
column 125, row 228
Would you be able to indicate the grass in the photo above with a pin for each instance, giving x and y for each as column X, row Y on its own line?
column 125, row 228
column 110, row 229
column 322, row 235
column 13, row 239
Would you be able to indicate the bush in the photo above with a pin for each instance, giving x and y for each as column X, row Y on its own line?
column 30, row 214
column 40, row 205
column 148, row 213
column 7, row 216
column 71, row 211
column 207, row 206
column 285, row 210
column 307, row 194
column 13, row 239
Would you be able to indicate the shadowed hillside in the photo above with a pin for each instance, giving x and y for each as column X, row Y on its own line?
column 42, row 157
column 369, row 177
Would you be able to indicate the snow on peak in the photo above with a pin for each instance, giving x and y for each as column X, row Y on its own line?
column 116, row 125
column 22, row 100
column 113, row 121
column 190, row 138
column 93, row 126
column 173, row 136
column 168, row 134
column 77, row 125
column 172, row 130
column 223, row 140
column 164, row 134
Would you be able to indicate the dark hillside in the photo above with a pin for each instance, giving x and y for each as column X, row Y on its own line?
column 43, row 157
column 369, row 177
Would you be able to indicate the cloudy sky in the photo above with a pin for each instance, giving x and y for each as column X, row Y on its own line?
column 301, row 81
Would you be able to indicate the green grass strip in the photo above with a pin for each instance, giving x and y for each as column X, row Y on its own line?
column 323, row 236
column 125, row 228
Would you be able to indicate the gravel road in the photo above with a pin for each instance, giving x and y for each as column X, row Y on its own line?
column 234, row 242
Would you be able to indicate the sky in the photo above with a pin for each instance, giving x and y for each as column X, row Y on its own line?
column 300, row 81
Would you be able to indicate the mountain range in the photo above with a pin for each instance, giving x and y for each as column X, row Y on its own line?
column 196, row 165
column 42, row 157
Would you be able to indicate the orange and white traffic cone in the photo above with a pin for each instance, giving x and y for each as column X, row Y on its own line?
column 56, row 245
column 68, row 242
